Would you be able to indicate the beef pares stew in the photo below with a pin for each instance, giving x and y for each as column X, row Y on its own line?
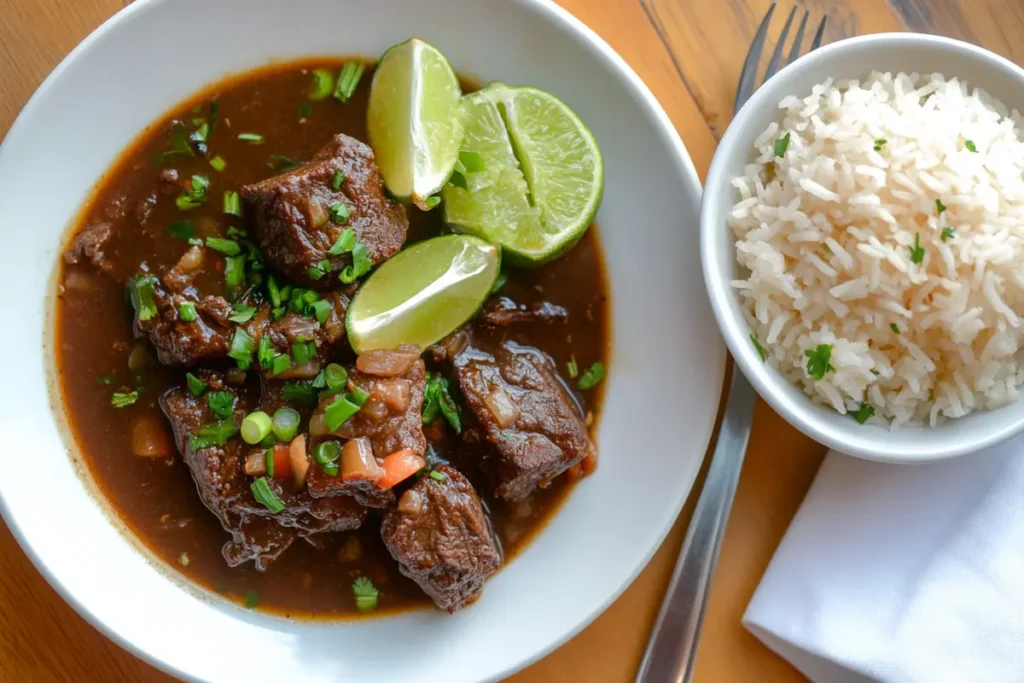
column 212, row 390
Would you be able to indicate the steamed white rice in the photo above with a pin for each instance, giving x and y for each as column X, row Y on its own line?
column 827, row 233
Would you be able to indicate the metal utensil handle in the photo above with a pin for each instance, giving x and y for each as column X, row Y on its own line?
column 672, row 648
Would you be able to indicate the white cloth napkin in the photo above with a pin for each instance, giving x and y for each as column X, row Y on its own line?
column 902, row 573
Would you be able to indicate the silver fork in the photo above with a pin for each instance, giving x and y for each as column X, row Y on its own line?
column 672, row 647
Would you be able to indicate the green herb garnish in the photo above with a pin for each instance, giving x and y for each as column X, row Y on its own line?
column 251, row 138
column 948, row 233
column 819, row 361
column 864, row 413
column 218, row 163
column 438, row 400
column 894, row 327
column 879, row 144
column 213, row 434
column 224, row 246
column 916, row 252
column 338, row 179
column 232, row 203
column 182, row 230
column 760, row 349
column 196, row 386
column 124, row 399
column 241, row 348
column 939, row 206
column 781, row 145
column 339, row 213
column 365, row 594
column 969, row 144
column 592, row 377
column 141, row 291
column 345, row 243
column 361, row 264
column 263, row 494
column 222, row 403
column 348, row 80
column 187, row 311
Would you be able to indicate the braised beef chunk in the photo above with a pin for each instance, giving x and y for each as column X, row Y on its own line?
column 440, row 538
column 502, row 311
column 292, row 216
column 89, row 244
column 216, row 457
column 390, row 421
column 299, row 328
column 534, row 429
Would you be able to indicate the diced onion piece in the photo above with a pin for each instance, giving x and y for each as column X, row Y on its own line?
column 138, row 359
column 351, row 550
column 399, row 466
column 298, row 460
column 502, row 407
column 411, row 502
column 395, row 393
column 317, row 425
column 357, row 461
column 297, row 327
column 235, row 376
column 191, row 260
column 384, row 363
column 307, row 370
column 317, row 214
column 80, row 281
column 256, row 464
column 374, row 409
column 149, row 440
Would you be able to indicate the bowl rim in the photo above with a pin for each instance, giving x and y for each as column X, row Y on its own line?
column 796, row 407
column 598, row 49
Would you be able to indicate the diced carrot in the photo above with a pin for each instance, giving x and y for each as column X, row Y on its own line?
column 399, row 466
column 282, row 463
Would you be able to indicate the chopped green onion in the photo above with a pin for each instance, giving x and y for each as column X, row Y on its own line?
column 348, row 80
column 345, row 243
column 339, row 212
column 916, row 251
column 213, row 434
column 321, row 310
column 948, row 233
column 218, row 163
column 226, row 247
column 323, row 84
column 196, row 386
column 253, row 138
column 471, row 161
column 331, row 469
column 343, row 407
column 338, row 179
column 320, row 381
column 314, row 273
column 939, row 206
column 278, row 313
column 281, row 363
column 232, row 203
column 299, row 392
column 273, row 291
column 819, row 361
column 969, row 144
column 433, row 201
column 122, row 399
column 781, row 145
column 265, row 352
column 864, row 413
column 234, row 273
column 303, row 352
column 894, row 327
column 241, row 348
column 263, row 494
column 222, row 403
column 286, row 423
column 251, row 599
column 281, row 163
column 268, row 458
column 182, row 230
column 243, row 313
column 327, row 452
column 365, row 594
column 335, row 376
column 255, row 427
column 141, row 292
column 592, row 377
column 438, row 400
column 760, row 349
column 195, row 197
column 574, row 370
column 361, row 264
column 187, row 311
column 438, row 476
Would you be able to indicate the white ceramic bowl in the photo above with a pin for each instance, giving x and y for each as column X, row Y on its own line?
column 852, row 58
column 663, row 385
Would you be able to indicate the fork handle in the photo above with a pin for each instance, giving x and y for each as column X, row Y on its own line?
column 672, row 647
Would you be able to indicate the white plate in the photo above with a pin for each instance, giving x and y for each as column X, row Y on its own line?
column 665, row 371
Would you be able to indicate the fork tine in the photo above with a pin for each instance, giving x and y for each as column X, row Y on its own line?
column 794, row 52
column 748, row 75
column 773, row 64
column 819, row 34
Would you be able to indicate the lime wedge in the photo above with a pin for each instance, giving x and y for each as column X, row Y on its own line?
column 423, row 293
column 542, row 174
column 413, row 119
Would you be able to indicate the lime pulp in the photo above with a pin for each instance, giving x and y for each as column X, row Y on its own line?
column 413, row 119
column 423, row 293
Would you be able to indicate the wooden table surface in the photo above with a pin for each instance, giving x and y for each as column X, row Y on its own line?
column 689, row 52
